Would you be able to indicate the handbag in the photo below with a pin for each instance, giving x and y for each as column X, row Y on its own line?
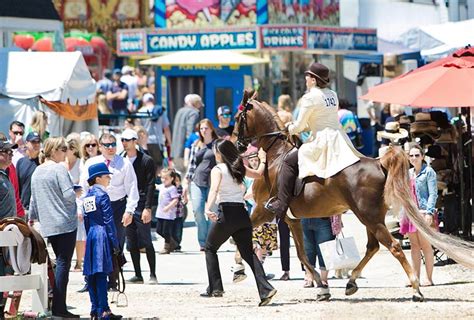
column 340, row 253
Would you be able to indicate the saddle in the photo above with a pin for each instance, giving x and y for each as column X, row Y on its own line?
column 300, row 184
column 39, row 252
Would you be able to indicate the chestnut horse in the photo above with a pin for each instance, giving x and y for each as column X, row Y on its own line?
column 367, row 187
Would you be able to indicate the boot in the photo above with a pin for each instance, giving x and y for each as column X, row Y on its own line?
column 286, row 185
column 173, row 245
column 166, row 249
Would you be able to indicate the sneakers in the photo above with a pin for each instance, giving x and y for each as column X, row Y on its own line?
column 153, row 280
column 213, row 294
column 268, row 298
column 85, row 288
column 239, row 276
column 269, row 276
column 135, row 279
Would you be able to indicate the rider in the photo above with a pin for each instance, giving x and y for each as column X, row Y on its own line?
column 326, row 152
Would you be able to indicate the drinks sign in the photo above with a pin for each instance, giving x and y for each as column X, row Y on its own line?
column 218, row 40
column 283, row 37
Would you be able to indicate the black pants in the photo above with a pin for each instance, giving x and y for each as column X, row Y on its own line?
column 138, row 237
column 284, row 234
column 118, row 208
column 63, row 247
column 165, row 228
column 233, row 221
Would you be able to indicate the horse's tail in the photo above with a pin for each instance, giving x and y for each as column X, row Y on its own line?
column 397, row 194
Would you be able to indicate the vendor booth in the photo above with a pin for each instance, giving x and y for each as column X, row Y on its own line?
column 217, row 76
column 57, row 82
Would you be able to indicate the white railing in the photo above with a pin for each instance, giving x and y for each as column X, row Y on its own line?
column 37, row 280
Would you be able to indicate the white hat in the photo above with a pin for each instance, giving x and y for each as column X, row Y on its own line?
column 129, row 134
column 126, row 69
column 392, row 132
column 147, row 97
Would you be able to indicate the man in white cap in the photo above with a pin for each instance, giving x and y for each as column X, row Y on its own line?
column 139, row 231
column 132, row 83
column 184, row 123
column 157, row 127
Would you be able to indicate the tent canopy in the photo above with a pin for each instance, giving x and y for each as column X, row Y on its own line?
column 204, row 58
column 55, row 76
column 440, row 39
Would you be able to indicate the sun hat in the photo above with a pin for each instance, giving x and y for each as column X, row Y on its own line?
column 148, row 97
column 393, row 132
column 97, row 170
column 319, row 71
column 129, row 134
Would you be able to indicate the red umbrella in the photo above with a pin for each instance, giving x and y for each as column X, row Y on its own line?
column 448, row 82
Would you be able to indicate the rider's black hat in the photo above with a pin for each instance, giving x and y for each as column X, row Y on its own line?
column 319, row 71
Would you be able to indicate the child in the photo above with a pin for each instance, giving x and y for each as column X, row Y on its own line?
column 166, row 210
column 101, row 242
column 180, row 212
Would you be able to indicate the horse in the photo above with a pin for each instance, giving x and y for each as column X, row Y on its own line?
column 368, row 188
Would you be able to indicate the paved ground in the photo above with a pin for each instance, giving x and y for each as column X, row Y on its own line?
column 382, row 293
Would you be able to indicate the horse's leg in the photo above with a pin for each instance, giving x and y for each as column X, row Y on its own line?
column 372, row 248
column 383, row 235
column 260, row 216
column 297, row 231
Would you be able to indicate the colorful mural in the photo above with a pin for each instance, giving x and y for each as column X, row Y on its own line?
column 209, row 13
column 319, row 12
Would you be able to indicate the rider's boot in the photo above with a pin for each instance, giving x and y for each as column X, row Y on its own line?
column 286, row 184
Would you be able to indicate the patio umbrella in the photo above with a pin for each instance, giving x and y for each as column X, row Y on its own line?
column 448, row 82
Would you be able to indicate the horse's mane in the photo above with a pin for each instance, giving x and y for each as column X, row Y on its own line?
column 273, row 113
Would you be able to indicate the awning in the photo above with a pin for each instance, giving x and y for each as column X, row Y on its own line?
column 55, row 76
column 204, row 58
column 385, row 48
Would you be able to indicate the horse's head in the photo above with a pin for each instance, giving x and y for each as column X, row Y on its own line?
column 253, row 120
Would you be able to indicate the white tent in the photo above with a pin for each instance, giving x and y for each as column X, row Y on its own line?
column 439, row 40
column 54, row 76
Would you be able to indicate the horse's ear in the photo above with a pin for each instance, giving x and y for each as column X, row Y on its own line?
column 248, row 94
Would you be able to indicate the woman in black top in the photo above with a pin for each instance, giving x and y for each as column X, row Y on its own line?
column 199, row 173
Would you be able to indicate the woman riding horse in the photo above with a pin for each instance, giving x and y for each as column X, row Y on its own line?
column 329, row 149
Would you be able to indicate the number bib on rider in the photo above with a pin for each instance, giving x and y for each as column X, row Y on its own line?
column 89, row 204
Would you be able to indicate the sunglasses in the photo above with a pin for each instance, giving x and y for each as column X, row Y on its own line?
column 127, row 140
column 109, row 145
column 63, row 148
column 8, row 152
column 91, row 145
column 18, row 133
column 415, row 155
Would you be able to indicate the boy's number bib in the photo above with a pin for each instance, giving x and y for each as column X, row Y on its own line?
column 89, row 204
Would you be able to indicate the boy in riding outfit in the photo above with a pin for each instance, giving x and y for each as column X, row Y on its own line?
column 327, row 151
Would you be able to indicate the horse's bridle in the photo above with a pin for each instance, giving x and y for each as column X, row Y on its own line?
column 243, row 141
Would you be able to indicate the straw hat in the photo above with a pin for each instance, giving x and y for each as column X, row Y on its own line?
column 393, row 132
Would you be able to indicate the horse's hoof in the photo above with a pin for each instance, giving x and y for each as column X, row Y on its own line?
column 418, row 297
column 351, row 288
column 323, row 297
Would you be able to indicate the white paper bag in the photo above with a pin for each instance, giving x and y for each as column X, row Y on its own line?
column 340, row 253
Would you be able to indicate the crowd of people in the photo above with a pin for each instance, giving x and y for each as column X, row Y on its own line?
column 101, row 191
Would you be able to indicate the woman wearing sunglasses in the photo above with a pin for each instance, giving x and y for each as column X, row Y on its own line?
column 53, row 203
column 425, row 192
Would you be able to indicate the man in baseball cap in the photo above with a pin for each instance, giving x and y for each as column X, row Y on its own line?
column 7, row 191
column 224, row 116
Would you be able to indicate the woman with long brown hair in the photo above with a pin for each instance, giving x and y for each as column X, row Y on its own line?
column 39, row 123
column 199, row 175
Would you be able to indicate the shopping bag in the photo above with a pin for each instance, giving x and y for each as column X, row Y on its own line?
column 340, row 253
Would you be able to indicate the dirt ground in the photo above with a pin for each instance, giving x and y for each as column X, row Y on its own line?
column 382, row 293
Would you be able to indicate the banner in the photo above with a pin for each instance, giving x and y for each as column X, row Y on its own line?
column 283, row 37
column 342, row 38
column 131, row 42
column 208, row 40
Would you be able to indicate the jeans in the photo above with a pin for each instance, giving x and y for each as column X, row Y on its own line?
column 178, row 229
column 199, row 198
column 316, row 231
column 63, row 247
column 233, row 221
column 98, row 293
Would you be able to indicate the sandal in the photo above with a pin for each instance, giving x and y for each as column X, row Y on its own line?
column 308, row 284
